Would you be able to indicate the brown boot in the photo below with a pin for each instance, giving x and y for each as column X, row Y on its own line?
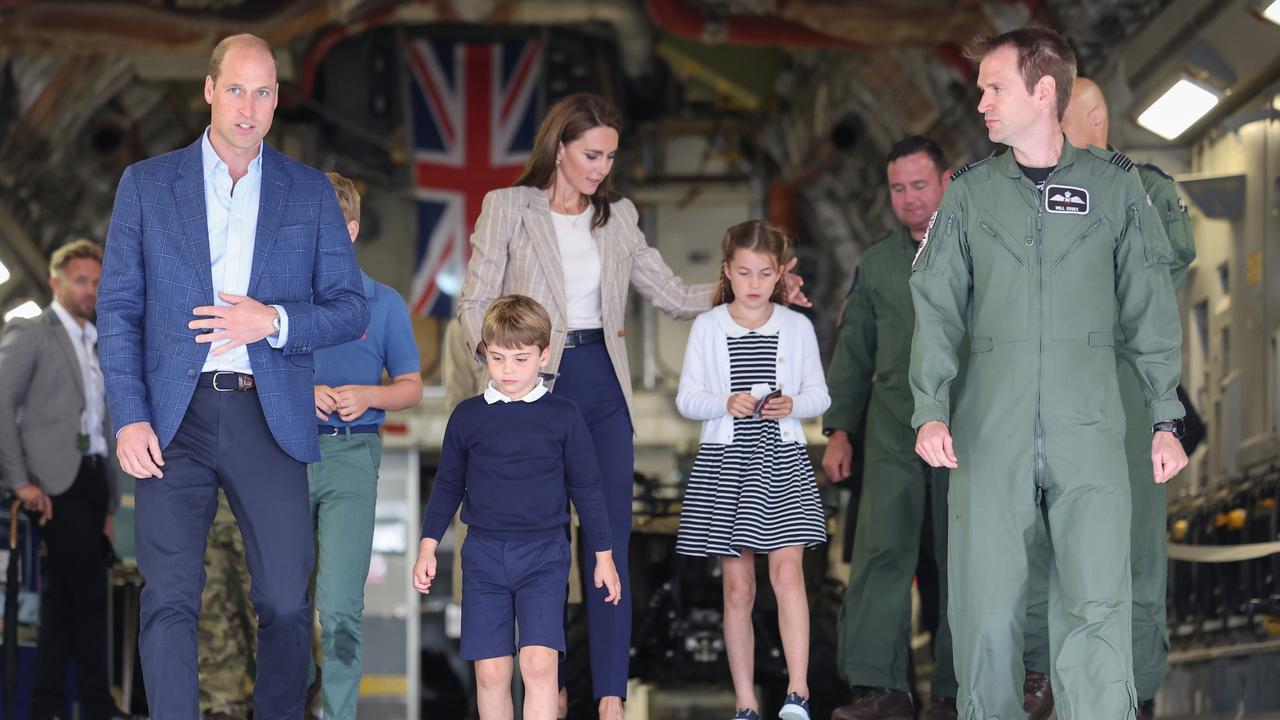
column 1037, row 696
column 877, row 704
column 1147, row 709
column 941, row 708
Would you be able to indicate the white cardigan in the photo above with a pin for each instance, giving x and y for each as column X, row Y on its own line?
column 704, row 379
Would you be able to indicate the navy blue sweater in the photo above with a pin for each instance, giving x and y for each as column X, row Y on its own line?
column 514, row 466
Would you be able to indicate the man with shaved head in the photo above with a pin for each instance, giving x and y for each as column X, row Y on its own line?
column 1085, row 123
column 227, row 265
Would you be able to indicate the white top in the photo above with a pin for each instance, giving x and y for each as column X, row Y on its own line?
column 231, row 211
column 580, row 260
column 704, row 378
column 83, row 340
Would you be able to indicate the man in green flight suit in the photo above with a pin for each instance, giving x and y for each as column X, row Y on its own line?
column 870, row 361
column 1086, row 123
column 1033, row 255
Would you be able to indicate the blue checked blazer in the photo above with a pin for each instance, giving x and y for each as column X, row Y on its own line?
column 156, row 269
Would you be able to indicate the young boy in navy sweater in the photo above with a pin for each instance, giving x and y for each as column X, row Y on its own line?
column 513, row 457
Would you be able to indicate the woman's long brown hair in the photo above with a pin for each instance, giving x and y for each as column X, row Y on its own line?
column 758, row 236
column 565, row 122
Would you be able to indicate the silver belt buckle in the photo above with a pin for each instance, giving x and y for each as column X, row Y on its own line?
column 333, row 431
column 219, row 374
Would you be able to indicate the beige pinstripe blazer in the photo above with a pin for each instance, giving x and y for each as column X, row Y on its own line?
column 514, row 250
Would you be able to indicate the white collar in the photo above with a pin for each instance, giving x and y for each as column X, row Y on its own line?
column 77, row 331
column 492, row 394
column 734, row 330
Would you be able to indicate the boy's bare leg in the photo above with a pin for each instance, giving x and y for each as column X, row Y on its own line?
column 786, row 574
column 739, row 636
column 539, row 671
column 493, row 688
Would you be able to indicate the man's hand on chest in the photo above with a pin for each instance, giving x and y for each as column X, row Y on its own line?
column 242, row 322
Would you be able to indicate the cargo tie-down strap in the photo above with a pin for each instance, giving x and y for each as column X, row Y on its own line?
column 1222, row 553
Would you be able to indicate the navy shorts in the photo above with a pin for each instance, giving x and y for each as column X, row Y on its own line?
column 510, row 584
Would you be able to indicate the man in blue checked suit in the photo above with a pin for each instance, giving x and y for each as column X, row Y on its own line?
column 227, row 265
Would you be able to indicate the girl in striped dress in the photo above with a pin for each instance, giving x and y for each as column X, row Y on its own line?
column 751, row 373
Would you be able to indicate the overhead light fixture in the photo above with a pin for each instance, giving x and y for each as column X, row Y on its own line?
column 4, row 271
column 28, row 309
column 1179, row 108
column 1272, row 12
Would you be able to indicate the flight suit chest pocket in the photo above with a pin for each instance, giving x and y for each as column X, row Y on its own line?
column 1002, row 264
column 1081, row 284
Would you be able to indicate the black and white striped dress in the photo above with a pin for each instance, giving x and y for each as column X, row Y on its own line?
column 757, row 493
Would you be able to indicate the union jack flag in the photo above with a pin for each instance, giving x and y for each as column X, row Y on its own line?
column 474, row 115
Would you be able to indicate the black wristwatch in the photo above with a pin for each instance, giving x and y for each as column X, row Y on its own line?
column 1171, row 426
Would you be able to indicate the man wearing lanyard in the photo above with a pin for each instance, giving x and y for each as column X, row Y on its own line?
column 54, row 442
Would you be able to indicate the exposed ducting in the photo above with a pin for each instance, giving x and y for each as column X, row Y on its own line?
column 116, row 28
column 683, row 20
column 631, row 28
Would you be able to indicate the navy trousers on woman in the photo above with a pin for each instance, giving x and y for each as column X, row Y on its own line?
column 224, row 441
column 587, row 378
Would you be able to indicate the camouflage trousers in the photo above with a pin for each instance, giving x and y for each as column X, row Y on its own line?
column 228, row 628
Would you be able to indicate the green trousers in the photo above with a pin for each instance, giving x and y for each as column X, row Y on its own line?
column 1148, row 557
column 874, row 643
column 344, row 487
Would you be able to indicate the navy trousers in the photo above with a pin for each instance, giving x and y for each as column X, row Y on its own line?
column 587, row 378
column 224, row 441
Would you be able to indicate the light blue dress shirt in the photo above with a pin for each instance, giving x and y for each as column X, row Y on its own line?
column 233, row 225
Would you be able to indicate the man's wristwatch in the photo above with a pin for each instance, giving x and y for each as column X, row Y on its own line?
column 275, row 323
column 1171, row 426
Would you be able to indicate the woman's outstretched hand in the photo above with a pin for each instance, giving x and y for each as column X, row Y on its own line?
column 795, row 296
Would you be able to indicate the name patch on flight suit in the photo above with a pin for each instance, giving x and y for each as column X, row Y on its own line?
column 1066, row 200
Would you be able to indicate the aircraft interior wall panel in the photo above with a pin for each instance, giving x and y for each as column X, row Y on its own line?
column 1223, row 282
column 689, row 240
column 1266, row 215
column 1248, row 303
column 387, row 245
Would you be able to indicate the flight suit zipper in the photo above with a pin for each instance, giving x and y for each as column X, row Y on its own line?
column 1039, row 431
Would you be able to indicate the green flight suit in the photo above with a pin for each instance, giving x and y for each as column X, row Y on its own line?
column 1036, row 280
column 872, row 358
column 1150, row 506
